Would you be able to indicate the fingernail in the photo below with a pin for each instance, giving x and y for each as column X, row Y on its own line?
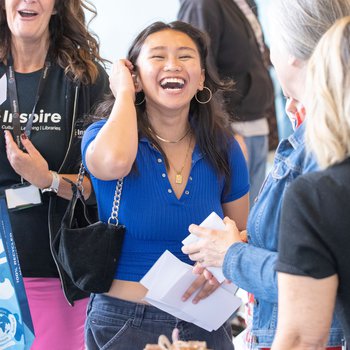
column 23, row 136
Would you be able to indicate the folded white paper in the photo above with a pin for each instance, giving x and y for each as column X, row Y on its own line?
column 213, row 222
column 167, row 281
column 3, row 89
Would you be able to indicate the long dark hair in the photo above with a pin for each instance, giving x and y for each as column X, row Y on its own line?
column 72, row 46
column 209, row 122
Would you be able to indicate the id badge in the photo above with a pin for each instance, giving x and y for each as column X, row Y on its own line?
column 22, row 196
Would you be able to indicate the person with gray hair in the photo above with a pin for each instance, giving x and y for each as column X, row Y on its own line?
column 297, row 27
column 313, row 265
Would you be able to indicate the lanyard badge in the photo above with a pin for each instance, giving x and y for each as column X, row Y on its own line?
column 22, row 196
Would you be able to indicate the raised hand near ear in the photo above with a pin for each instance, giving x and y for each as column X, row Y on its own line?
column 121, row 78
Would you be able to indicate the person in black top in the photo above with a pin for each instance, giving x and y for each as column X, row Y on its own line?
column 313, row 264
column 51, row 64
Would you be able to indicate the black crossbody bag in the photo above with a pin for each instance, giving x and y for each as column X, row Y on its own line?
column 89, row 252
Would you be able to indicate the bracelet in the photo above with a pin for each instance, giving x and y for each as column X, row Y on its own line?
column 54, row 184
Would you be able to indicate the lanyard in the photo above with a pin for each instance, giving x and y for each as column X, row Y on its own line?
column 12, row 88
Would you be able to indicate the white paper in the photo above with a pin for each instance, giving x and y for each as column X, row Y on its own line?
column 3, row 89
column 213, row 222
column 167, row 281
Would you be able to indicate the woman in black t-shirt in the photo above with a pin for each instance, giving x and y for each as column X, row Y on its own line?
column 46, row 47
column 313, row 265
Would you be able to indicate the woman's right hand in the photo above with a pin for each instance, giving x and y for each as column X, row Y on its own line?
column 122, row 77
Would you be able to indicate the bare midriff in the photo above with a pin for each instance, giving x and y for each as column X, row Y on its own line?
column 127, row 290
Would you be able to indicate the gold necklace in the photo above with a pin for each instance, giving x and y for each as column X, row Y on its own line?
column 169, row 141
column 178, row 176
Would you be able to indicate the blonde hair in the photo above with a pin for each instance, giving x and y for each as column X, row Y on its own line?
column 298, row 25
column 328, row 96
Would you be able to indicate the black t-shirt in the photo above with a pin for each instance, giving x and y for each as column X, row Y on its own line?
column 315, row 231
column 50, row 135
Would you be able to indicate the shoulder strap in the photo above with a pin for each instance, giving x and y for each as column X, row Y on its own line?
column 113, row 219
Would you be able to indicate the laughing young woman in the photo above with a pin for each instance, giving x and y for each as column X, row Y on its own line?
column 179, row 161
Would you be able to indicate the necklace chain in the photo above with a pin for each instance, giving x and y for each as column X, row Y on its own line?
column 178, row 176
column 170, row 141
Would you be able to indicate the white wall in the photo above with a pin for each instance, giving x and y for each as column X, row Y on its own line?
column 119, row 21
column 263, row 10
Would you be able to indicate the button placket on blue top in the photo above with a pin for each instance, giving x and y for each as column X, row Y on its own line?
column 164, row 179
column 163, row 173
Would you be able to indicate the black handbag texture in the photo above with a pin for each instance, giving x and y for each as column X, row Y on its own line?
column 89, row 252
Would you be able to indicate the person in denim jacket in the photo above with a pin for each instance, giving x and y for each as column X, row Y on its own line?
column 313, row 266
column 297, row 27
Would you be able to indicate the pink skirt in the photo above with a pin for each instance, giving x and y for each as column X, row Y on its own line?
column 57, row 325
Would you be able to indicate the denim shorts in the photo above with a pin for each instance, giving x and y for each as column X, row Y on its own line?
column 118, row 324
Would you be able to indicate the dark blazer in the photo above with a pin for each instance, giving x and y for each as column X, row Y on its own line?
column 235, row 54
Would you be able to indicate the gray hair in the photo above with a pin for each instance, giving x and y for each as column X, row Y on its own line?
column 298, row 25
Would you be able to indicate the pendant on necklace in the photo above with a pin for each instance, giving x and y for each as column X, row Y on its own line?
column 178, row 179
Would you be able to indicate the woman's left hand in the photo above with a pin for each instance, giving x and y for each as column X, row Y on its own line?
column 204, row 287
column 31, row 165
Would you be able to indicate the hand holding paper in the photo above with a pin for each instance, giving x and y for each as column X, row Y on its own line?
column 167, row 281
column 208, row 246
column 169, row 278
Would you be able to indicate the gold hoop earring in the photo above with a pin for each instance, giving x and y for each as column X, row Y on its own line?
column 209, row 98
column 141, row 102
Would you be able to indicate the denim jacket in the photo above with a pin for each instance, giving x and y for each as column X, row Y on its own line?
column 252, row 266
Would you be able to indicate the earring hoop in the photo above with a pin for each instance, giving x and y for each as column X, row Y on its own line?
column 141, row 102
column 206, row 101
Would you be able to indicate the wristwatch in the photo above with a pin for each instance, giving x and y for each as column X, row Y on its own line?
column 54, row 184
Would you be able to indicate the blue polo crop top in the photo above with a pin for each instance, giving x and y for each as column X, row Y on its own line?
column 155, row 219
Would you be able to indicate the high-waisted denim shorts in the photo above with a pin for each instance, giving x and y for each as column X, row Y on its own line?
column 118, row 324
